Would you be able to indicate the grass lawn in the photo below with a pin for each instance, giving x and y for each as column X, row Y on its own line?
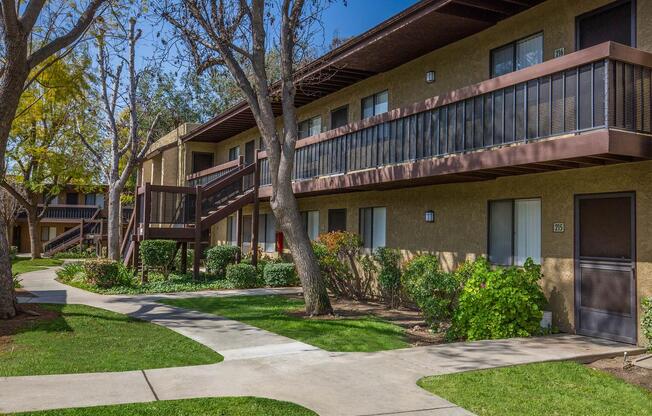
column 221, row 406
column 275, row 314
column 85, row 339
column 24, row 265
column 561, row 388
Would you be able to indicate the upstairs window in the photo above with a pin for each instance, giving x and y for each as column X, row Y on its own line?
column 340, row 117
column 375, row 104
column 90, row 199
column 310, row 127
column 234, row 153
column 201, row 161
column 373, row 226
column 517, row 55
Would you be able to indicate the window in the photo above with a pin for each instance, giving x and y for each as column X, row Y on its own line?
column 201, row 161
column 311, row 223
column 614, row 22
column 375, row 104
column 89, row 199
column 72, row 198
column 310, row 127
column 48, row 233
column 234, row 153
column 514, row 231
column 267, row 232
column 231, row 230
column 336, row 220
column 373, row 225
column 340, row 117
column 517, row 55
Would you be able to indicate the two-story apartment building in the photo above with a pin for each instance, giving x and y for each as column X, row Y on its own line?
column 466, row 128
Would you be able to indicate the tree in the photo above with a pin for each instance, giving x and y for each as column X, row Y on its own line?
column 235, row 35
column 9, row 208
column 124, row 149
column 42, row 139
column 58, row 28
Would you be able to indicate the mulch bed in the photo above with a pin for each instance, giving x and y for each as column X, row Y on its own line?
column 27, row 315
column 411, row 319
column 629, row 373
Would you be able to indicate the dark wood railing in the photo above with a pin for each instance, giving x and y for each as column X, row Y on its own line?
column 66, row 212
column 607, row 85
column 208, row 175
column 75, row 235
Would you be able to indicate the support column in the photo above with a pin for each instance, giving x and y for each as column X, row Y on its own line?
column 238, row 234
column 184, row 257
column 255, row 214
column 197, row 257
column 147, row 210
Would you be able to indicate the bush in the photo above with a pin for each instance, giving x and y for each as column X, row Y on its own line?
column 280, row 275
column 71, row 271
column 346, row 272
column 102, row 273
column 499, row 302
column 16, row 281
column 434, row 291
column 389, row 277
column 646, row 322
column 13, row 252
column 219, row 257
column 242, row 276
column 158, row 255
column 74, row 253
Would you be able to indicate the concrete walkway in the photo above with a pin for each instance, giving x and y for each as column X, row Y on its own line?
column 259, row 363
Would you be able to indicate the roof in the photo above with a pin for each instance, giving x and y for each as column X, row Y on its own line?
column 422, row 28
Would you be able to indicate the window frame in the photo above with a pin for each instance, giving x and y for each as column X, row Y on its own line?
column 513, row 45
column 237, row 151
column 513, row 228
column 305, row 217
column 361, row 231
column 310, row 126
column 340, row 108
column 373, row 97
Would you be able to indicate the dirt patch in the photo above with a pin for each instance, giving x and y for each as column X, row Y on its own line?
column 629, row 373
column 410, row 319
column 27, row 316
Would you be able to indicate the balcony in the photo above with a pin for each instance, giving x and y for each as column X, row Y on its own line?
column 588, row 108
column 66, row 213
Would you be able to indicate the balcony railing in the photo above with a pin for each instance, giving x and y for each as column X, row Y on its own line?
column 208, row 175
column 608, row 85
column 67, row 212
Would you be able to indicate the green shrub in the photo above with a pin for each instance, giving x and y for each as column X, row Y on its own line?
column 190, row 257
column 389, row 277
column 158, row 255
column 434, row 291
column 499, row 302
column 219, row 257
column 16, row 281
column 71, row 271
column 74, row 253
column 280, row 275
column 646, row 322
column 102, row 273
column 242, row 276
column 13, row 252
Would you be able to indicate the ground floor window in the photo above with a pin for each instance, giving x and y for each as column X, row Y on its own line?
column 311, row 223
column 232, row 230
column 266, row 232
column 373, row 225
column 336, row 219
column 514, row 231
column 48, row 233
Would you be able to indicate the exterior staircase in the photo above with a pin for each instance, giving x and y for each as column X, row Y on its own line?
column 185, row 214
column 74, row 236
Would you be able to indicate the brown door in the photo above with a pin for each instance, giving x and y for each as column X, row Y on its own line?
column 605, row 285
column 336, row 220
column 613, row 22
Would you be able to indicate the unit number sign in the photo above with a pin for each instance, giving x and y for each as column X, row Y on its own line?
column 558, row 227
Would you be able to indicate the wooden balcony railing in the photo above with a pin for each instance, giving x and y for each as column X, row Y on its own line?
column 67, row 212
column 605, row 86
column 208, row 175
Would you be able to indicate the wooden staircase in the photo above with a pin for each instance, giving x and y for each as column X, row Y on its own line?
column 74, row 236
column 185, row 214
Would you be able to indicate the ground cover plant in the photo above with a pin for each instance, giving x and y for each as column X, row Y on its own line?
column 226, row 406
column 542, row 389
column 284, row 316
column 98, row 340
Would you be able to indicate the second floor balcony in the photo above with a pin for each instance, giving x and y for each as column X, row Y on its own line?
column 588, row 108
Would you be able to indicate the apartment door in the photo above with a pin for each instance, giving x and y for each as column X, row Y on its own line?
column 336, row 220
column 605, row 275
column 613, row 22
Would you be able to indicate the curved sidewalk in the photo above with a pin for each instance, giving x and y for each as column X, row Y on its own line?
column 259, row 363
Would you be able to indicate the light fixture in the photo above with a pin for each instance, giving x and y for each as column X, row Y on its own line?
column 429, row 216
column 430, row 77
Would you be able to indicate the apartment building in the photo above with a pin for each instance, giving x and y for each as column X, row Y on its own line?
column 506, row 129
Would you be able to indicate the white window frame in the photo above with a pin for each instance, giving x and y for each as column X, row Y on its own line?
column 525, row 232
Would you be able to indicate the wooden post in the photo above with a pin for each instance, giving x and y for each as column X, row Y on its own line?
column 136, row 225
column 184, row 257
column 254, row 215
column 238, row 234
column 147, row 210
column 81, row 235
column 197, row 257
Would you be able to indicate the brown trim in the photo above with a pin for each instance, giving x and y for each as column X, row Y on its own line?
column 606, row 50
column 503, row 161
column 214, row 169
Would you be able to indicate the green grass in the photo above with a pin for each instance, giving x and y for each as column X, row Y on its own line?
column 24, row 265
column 271, row 313
column 220, row 406
column 544, row 389
column 85, row 339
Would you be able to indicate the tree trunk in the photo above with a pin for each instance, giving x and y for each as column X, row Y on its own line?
column 7, row 297
column 34, row 235
column 113, row 227
column 285, row 208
